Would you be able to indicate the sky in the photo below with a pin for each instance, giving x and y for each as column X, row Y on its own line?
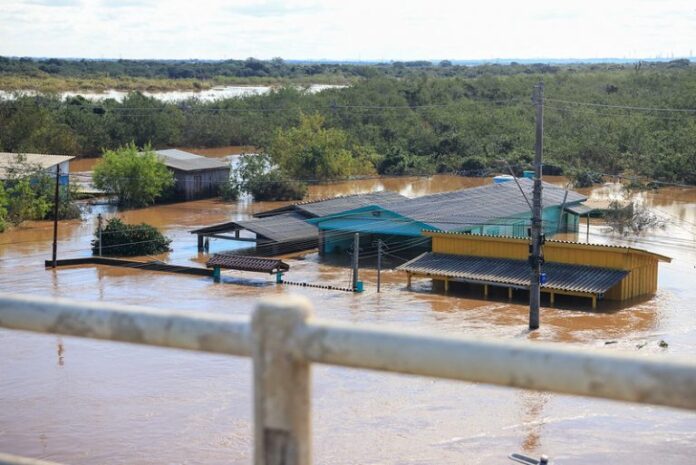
column 348, row 29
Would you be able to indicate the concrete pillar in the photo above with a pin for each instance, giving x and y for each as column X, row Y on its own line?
column 321, row 241
column 446, row 285
column 485, row 290
column 509, row 293
column 594, row 300
column 282, row 384
column 552, row 298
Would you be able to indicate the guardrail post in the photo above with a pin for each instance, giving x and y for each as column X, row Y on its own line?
column 282, row 384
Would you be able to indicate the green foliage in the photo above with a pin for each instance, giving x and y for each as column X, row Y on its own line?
column 25, row 203
column 3, row 208
column 135, row 178
column 257, row 175
column 632, row 219
column 229, row 191
column 127, row 240
column 401, row 117
column 312, row 152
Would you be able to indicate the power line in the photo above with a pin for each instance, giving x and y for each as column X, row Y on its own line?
column 624, row 107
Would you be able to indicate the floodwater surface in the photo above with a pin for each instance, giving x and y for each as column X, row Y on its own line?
column 81, row 401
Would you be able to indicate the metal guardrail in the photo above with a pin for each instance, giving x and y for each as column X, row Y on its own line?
column 284, row 340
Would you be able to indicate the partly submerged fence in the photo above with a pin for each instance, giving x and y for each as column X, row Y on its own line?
column 284, row 339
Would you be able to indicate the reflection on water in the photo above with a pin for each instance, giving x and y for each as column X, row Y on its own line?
column 100, row 402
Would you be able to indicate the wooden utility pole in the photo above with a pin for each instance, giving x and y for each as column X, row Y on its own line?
column 356, row 255
column 536, row 256
column 56, row 200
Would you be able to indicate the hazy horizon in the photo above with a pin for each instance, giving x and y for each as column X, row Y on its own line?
column 359, row 31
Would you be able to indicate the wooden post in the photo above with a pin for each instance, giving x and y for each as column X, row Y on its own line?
column 99, row 225
column 216, row 274
column 509, row 293
column 446, row 284
column 408, row 284
column 200, row 243
column 594, row 301
column 282, row 384
column 552, row 298
column 56, row 200
column 379, row 264
column 356, row 256
column 485, row 290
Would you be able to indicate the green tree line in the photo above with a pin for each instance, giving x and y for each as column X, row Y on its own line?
column 420, row 123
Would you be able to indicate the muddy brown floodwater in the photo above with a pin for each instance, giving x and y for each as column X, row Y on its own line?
column 93, row 402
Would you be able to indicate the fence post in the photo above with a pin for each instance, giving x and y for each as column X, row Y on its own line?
column 282, row 384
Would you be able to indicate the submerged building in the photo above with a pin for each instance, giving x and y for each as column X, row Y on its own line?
column 195, row 176
column 494, row 209
column 598, row 272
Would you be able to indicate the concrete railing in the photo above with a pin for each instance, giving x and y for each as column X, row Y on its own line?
column 284, row 340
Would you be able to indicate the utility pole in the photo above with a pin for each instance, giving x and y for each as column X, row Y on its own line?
column 99, row 219
column 356, row 254
column 56, row 199
column 536, row 257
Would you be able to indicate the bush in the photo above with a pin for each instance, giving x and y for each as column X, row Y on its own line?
column 272, row 186
column 128, row 240
column 257, row 175
column 135, row 178
column 229, row 191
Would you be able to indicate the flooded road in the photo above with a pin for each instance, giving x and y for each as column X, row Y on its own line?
column 88, row 402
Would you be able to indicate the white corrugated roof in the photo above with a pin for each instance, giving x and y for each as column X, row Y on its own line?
column 40, row 160
column 185, row 161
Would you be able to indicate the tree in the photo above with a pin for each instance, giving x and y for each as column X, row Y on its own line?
column 3, row 207
column 257, row 175
column 312, row 152
column 128, row 240
column 135, row 178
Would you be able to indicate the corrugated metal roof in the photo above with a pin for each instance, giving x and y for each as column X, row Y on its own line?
column 456, row 210
column 572, row 244
column 516, row 273
column 42, row 161
column 279, row 228
column 579, row 209
column 184, row 161
column 329, row 206
column 247, row 263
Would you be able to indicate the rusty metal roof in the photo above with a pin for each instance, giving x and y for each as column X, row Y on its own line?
column 247, row 263
column 515, row 273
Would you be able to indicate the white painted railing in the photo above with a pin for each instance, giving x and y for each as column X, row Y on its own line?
column 284, row 340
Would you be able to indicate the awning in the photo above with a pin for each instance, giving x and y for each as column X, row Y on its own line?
column 579, row 209
column 514, row 273
column 247, row 263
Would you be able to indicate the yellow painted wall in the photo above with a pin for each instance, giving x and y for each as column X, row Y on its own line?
column 642, row 265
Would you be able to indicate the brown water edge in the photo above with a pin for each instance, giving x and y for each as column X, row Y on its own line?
column 84, row 402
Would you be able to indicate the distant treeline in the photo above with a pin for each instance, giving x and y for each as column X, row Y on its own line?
column 416, row 124
column 278, row 68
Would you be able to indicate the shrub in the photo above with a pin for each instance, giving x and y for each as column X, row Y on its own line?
column 127, row 240
column 229, row 191
column 135, row 178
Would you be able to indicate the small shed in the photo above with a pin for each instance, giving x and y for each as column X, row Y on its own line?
column 247, row 263
column 46, row 163
column 592, row 270
column 195, row 176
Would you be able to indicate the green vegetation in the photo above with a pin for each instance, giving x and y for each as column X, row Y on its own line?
column 312, row 152
column 257, row 175
column 397, row 118
column 28, row 193
column 128, row 240
column 135, row 178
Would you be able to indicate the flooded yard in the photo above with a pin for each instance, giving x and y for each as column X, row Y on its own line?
column 87, row 402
